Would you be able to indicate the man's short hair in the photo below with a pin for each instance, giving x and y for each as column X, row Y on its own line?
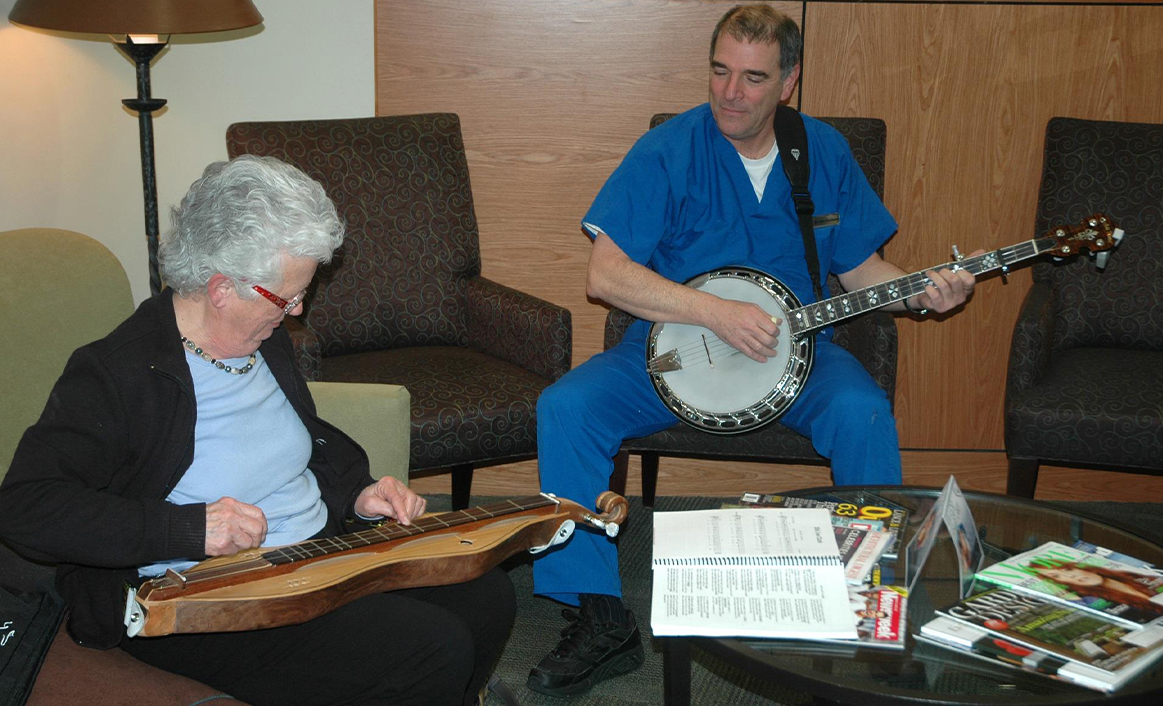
column 766, row 25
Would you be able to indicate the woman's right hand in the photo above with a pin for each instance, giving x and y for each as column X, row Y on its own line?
column 232, row 526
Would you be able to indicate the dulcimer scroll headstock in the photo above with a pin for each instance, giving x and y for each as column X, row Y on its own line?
column 1096, row 234
column 614, row 508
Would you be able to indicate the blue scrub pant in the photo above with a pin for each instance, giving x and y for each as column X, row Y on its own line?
column 583, row 418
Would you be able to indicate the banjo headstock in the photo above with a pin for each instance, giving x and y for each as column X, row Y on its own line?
column 1095, row 234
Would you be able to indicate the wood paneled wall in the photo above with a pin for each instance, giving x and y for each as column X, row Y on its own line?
column 551, row 94
column 966, row 91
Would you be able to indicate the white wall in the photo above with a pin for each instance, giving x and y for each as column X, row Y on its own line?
column 69, row 154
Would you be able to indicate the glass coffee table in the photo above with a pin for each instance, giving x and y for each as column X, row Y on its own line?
column 923, row 673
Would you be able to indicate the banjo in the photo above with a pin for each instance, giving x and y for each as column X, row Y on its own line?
column 713, row 387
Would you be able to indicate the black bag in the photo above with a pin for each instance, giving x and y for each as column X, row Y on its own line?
column 28, row 623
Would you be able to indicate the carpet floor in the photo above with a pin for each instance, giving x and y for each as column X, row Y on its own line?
column 539, row 620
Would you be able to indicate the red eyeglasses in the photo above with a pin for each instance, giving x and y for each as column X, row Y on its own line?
column 286, row 306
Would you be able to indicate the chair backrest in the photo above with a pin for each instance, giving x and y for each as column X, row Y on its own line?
column 58, row 291
column 401, row 185
column 1116, row 168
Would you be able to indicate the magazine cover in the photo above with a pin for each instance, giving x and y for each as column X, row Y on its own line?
column 838, row 507
column 860, row 549
column 959, row 639
column 867, row 505
column 880, row 613
column 1111, row 554
column 885, row 574
column 1124, row 593
column 1056, row 629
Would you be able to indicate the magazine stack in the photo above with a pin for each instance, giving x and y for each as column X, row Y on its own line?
column 868, row 537
column 1077, row 613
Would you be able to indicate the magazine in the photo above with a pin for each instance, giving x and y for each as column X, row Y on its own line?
column 843, row 512
column 885, row 574
column 765, row 572
column 1101, row 652
column 837, row 520
column 860, row 550
column 864, row 504
column 958, row 638
column 1111, row 554
column 881, row 614
column 1066, row 632
column 1126, row 594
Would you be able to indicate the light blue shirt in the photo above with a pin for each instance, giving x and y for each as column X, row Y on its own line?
column 250, row 445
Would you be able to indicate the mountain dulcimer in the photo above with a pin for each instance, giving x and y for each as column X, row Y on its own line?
column 270, row 587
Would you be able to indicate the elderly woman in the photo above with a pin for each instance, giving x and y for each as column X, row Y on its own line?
column 188, row 433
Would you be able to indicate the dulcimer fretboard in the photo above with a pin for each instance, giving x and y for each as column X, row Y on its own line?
column 315, row 548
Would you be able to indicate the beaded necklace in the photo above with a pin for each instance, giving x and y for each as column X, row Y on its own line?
column 217, row 363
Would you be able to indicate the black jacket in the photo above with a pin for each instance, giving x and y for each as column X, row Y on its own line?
column 88, row 481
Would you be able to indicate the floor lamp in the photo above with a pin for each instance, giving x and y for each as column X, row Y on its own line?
column 141, row 29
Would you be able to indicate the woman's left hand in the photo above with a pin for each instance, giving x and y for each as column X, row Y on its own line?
column 388, row 497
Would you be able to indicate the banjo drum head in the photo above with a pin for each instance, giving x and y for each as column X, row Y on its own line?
column 717, row 388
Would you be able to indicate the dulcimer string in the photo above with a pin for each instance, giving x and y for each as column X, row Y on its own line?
column 314, row 548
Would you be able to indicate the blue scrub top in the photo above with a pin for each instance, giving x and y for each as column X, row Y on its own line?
column 681, row 203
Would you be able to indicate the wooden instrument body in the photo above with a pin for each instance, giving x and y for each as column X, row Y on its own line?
column 245, row 592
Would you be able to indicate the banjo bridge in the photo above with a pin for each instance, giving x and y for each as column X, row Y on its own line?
column 665, row 362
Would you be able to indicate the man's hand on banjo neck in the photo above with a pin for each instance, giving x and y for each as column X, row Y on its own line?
column 619, row 281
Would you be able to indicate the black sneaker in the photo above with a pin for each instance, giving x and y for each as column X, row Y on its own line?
column 589, row 652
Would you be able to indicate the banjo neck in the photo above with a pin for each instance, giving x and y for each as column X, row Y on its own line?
column 812, row 317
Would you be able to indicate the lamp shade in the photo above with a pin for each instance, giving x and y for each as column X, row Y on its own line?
column 136, row 16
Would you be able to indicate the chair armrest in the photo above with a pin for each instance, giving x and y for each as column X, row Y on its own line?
column 617, row 321
column 72, row 674
column 308, row 349
column 377, row 416
column 1032, row 340
column 872, row 339
column 519, row 328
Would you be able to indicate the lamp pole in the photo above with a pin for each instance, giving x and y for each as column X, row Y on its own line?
column 142, row 55
column 152, row 22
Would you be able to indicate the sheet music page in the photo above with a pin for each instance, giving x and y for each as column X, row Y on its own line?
column 743, row 532
column 770, row 572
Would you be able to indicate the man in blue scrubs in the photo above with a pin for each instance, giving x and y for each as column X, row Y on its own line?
column 706, row 190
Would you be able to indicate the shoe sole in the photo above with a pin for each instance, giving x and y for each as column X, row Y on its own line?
column 623, row 664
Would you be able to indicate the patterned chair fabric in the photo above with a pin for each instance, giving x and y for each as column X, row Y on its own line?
column 872, row 338
column 1085, row 379
column 403, row 301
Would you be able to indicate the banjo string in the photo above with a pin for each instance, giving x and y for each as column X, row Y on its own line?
column 695, row 354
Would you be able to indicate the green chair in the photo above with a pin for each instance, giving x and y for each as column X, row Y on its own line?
column 58, row 291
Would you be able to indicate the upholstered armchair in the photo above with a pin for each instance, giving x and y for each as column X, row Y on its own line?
column 58, row 291
column 1085, row 380
column 872, row 338
column 404, row 300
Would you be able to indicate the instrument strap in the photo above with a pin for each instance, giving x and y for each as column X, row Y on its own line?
column 792, row 140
